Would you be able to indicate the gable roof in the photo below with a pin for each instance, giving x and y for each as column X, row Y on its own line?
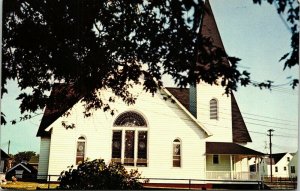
column 240, row 132
column 4, row 155
column 277, row 157
column 182, row 95
column 26, row 166
column 62, row 98
column 188, row 112
column 230, row 148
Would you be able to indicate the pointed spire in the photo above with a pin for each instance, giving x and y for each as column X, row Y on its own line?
column 209, row 26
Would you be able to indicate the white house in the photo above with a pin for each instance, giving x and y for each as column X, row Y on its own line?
column 280, row 165
column 293, row 165
column 192, row 133
column 3, row 161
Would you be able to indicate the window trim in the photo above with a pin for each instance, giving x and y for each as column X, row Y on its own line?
column 179, row 142
column 85, row 147
column 216, row 107
column 136, row 129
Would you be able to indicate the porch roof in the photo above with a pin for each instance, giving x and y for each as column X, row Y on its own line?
column 230, row 148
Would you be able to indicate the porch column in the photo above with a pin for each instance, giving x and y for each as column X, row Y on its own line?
column 231, row 170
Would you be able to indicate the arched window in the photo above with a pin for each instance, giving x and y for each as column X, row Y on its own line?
column 129, row 139
column 130, row 119
column 213, row 108
column 176, row 153
column 80, row 154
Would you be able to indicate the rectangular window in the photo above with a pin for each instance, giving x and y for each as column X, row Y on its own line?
column 215, row 159
column 129, row 148
column 288, row 159
column 284, row 168
column 116, row 146
column 142, row 148
column 19, row 173
column 293, row 170
column 276, row 169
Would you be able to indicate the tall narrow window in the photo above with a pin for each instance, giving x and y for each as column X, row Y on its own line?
column 142, row 148
column 116, row 146
column 213, row 108
column 176, row 153
column 129, row 148
column 80, row 150
column 276, row 169
column 129, row 144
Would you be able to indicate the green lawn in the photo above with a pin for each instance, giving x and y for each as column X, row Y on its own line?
column 27, row 185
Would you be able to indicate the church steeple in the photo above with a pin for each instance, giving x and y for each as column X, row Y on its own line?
column 209, row 26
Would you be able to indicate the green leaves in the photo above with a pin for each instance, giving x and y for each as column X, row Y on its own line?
column 3, row 121
column 93, row 45
column 291, row 9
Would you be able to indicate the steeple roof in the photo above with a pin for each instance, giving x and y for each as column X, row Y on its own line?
column 209, row 27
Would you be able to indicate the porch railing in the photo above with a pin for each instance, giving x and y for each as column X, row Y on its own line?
column 228, row 175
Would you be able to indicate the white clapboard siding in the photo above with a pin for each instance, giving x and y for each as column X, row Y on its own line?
column 222, row 127
column 282, row 166
column 241, row 163
column 224, row 163
column 44, row 158
column 166, row 122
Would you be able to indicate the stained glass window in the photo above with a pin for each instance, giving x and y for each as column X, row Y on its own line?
column 80, row 150
column 130, row 119
column 176, row 153
column 117, row 144
column 129, row 131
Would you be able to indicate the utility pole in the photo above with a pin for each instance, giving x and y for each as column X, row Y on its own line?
column 270, row 135
column 8, row 147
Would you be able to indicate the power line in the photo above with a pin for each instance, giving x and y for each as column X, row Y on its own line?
column 261, row 133
column 271, row 126
column 266, row 121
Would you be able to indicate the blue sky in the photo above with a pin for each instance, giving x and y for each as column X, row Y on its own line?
column 254, row 33
column 258, row 36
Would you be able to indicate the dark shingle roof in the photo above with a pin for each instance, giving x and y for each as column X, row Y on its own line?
column 240, row 133
column 4, row 155
column 230, row 148
column 182, row 95
column 209, row 26
column 62, row 98
column 277, row 157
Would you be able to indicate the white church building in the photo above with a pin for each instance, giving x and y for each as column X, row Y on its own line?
column 191, row 133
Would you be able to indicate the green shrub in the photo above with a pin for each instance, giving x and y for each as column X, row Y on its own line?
column 91, row 175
